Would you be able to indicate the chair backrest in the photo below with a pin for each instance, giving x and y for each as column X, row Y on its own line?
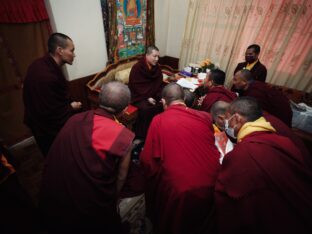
column 120, row 71
column 109, row 72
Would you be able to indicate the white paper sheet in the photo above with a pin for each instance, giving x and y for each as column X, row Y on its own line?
column 186, row 84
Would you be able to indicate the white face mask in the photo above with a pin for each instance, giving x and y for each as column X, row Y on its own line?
column 229, row 131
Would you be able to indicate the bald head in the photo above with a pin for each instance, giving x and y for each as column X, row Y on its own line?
column 219, row 108
column 57, row 39
column 217, row 76
column 189, row 98
column 242, row 79
column 245, row 75
column 114, row 97
column 247, row 107
column 173, row 92
column 150, row 49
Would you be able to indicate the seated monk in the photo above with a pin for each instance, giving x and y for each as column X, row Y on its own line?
column 218, row 111
column 180, row 162
column 270, row 100
column 222, row 141
column 87, row 167
column 216, row 90
column 264, row 185
column 146, row 83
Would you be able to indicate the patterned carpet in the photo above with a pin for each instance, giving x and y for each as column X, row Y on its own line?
column 132, row 210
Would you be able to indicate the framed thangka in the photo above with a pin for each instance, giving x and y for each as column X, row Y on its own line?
column 131, row 27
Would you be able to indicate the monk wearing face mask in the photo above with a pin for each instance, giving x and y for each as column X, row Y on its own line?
column 264, row 185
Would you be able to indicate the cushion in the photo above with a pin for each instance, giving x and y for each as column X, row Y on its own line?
column 123, row 75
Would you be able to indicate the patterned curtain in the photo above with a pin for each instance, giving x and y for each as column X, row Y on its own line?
column 222, row 30
column 129, row 27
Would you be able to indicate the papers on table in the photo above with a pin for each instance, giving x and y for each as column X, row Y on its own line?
column 189, row 83
column 201, row 75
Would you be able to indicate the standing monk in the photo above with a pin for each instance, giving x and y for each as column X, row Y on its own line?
column 270, row 100
column 264, row 185
column 146, row 83
column 45, row 93
column 86, row 168
column 180, row 162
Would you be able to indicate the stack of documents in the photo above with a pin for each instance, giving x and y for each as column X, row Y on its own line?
column 189, row 83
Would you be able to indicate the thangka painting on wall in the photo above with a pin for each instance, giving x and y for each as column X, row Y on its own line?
column 131, row 27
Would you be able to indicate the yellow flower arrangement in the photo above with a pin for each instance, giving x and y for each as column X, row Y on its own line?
column 206, row 64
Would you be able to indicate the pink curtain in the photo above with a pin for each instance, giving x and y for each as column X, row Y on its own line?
column 222, row 30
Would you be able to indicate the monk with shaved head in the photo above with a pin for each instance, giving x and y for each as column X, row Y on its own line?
column 146, row 84
column 180, row 162
column 214, row 82
column 264, row 185
column 86, row 168
column 271, row 100
column 46, row 92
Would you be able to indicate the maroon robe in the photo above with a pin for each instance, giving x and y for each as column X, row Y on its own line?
column 145, row 82
column 46, row 101
column 264, row 186
column 79, row 182
column 270, row 100
column 214, row 94
column 283, row 130
column 181, row 162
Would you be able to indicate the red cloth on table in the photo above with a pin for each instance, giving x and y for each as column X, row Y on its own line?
column 264, row 186
column 180, row 162
column 79, row 183
column 270, row 100
column 214, row 94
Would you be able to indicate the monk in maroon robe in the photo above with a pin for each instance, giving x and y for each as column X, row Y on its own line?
column 181, row 162
column 270, row 100
column 45, row 92
column 216, row 90
column 86, row 168
column 146, row 83
column 218, row 114
column 264, row 185
column 283, row 130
